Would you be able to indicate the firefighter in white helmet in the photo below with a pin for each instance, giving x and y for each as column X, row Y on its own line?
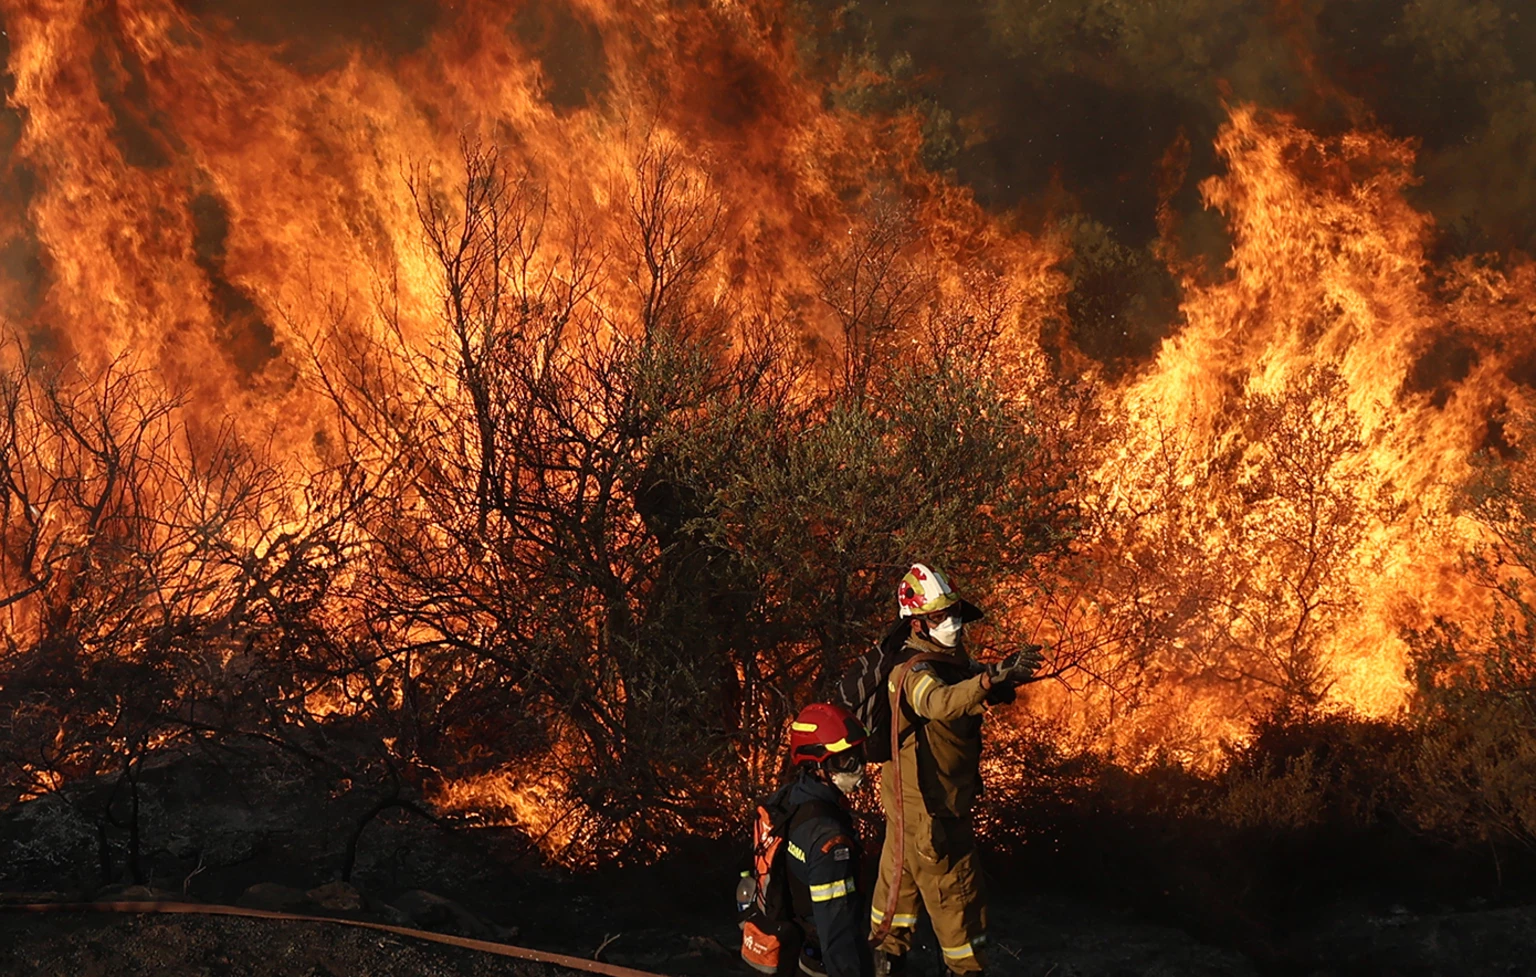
column 939, row 727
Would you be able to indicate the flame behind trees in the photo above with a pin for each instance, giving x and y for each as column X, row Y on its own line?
column 1272, row 504
column 591, row 458
column 634, row 534
column 572, row 552
column 155, row 584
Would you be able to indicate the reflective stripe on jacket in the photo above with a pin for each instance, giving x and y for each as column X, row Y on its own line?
column 940, row 728
column 823, row 858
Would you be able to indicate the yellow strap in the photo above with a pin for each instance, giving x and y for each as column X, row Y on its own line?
column 925, row 684
column 831, row 890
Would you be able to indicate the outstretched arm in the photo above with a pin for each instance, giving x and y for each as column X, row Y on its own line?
column 932, row 698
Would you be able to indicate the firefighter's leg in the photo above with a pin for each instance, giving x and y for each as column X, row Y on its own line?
column 950, row 883
column 899, row 939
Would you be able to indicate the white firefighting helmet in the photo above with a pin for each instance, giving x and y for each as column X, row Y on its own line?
column 925, row 590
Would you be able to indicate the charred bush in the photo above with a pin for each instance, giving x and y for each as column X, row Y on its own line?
column 1312, row 815
column 620, row 529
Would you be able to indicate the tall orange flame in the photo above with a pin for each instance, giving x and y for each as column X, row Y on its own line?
column 1293, row 454
column 215, row 203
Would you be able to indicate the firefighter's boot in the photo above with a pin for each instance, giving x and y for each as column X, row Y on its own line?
column 811, row 963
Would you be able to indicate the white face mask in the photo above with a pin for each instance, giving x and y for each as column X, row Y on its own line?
column 848, row 782
column 947, row 633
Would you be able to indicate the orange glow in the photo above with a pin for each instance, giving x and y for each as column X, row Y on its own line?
column 222, row 209
column 1269, row 502
column 537, row 802
column 1286, row 467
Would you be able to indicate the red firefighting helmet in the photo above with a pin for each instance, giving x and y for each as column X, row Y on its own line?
column 822, row 729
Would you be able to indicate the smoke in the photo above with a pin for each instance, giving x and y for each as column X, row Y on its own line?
column 1066, row 112
column 317, row 37
column 569, row 50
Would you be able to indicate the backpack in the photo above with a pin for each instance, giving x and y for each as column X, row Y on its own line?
column 770, row 936
column 863, row 690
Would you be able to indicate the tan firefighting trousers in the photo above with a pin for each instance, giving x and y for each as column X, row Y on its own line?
column 938, row 871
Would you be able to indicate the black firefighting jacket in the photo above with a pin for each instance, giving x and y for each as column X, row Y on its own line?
column 823, row 859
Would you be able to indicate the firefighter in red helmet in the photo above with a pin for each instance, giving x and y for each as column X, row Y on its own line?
column 826, row 753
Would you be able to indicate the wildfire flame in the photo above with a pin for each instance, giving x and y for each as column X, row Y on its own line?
column 1299, row 440
column 218, row 204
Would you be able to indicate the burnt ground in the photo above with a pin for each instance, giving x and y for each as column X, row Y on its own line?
column 258, row 833
column 108, row 945
column 125, row 945
column 1032, row 941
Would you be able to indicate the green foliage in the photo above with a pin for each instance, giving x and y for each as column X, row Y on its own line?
column 1123, row 301
column 823, row 506
column 1175, row 45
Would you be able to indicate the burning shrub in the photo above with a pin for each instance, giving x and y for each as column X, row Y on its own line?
column 623, row 460
column 568, row 559
column 619, row 535
column 1475, row 680
column 136, row 556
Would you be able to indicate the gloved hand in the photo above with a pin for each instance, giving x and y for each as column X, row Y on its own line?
column 1017, row 667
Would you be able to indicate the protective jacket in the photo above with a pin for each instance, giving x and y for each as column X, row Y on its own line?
column 823, row 858
column 939, row 725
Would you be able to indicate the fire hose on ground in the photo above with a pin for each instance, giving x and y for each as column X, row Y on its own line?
column 208, row 909
column 486, row 946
